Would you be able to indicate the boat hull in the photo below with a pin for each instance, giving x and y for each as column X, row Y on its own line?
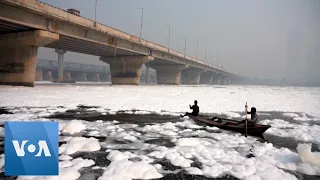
column 226, row 124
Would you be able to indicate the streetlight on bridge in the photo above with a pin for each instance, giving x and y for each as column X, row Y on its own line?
column 169, row 38
column 197, row 50
column 141, row 21
column 95, row 13
column 185, row 45
column 205, row 54
column 217, row 60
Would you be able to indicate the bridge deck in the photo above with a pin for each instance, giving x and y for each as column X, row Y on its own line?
column 82, row 35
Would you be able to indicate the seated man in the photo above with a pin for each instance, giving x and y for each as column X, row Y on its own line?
column 254, row 118
column 195, row 110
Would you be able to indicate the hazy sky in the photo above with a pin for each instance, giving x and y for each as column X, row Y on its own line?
column 249, row 35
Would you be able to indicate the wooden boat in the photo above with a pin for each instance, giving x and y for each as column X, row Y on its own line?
column 229, row 124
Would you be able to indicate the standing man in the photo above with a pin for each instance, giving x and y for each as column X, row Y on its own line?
column 195, row 110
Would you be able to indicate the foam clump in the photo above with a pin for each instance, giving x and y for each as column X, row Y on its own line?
column 64, row 157
column 127, row 170
column 161, row 153
column 215, row 170
column 194, row 171
column 188, row 142
column 1, row 161
column 177, row 160
column 272, row 173
column 79, row 144
column 73, row 126
column 308, row 157
column 80, row 163
column 127, row 136
column 168, row 129
column 116, row 155
column 1, row 132
column 188, row 124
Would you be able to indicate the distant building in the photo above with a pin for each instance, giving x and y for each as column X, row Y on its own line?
column 74, row 12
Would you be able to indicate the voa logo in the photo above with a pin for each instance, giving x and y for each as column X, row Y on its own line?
column 31, row 148
column 43, row 147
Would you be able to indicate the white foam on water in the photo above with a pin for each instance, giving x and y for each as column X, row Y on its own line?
column 212, row 128
column 226, row 100
column 194, row 171
column 211, row 100
column 116, row 155
column 64, row 157
column 125, row 169
column 1, row 161
column 306, row 156
column 188, row 142
column 65, row 164
column 1, row 132
column 290, row 115
column 219, row 153
column 300, row 132
column 79, row 144
column 126, row 136
column 300, row 117
column 79, row 163
column 168, row 129
column 188, row 124
column 177, row 160
column 73, row 126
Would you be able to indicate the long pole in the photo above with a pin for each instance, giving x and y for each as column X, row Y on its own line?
column 141, row 22
column 246, row 119
column 212, row 59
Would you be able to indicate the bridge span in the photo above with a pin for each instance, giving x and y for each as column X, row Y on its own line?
column 47, row 70
column 27, row 25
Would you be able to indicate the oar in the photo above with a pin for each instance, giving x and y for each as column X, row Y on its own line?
column 246, row 118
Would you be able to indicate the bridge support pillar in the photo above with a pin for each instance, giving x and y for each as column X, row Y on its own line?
column 47, row 76
column 126, row 70
column 60, row 63
column 79, row 76
column 18, row 54
column 39, row 75
column 206, row 77
column 147, row 74
column 216, row 79
column 191, row 75
column 168, row 73
column 223, row 80
column 83, row 77
column 104, row 77
column 67, row 76
column 95, row 77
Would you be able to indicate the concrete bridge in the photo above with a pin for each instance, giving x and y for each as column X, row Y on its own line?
column 47, row 70
column 27, row 25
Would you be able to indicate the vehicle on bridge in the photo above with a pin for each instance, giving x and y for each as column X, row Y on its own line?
column 74, row 12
